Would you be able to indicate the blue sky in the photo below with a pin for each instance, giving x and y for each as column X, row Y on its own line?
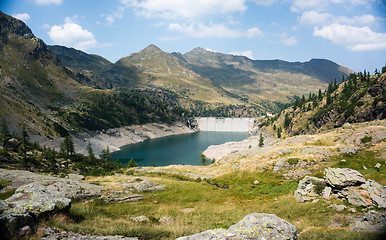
column 351, row 33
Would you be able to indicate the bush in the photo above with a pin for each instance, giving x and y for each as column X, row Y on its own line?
column 292, row 161
column 318, row 188
column 366, row 139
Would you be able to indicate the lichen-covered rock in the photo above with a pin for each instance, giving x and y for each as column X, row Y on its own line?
column 3, row 206
column 28, row 204
column 376, row 191
column 220, row 234
column 343, row 177
column 143, row 186
column 252, row 226
column 263, row 225
column 36, row 199
column 72, row 189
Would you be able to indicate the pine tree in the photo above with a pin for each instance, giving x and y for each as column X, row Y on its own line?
column 90, row 151
column 4, row 134
column 279, row 132
column 132, row 163
column 261, row 140
column 106, row 154
column 67, row 147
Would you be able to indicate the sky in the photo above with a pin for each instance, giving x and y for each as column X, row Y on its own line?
column 351, row 33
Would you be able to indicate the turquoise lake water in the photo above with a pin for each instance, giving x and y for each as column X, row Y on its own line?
column 178, row 149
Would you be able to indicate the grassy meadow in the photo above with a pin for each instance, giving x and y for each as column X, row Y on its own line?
column 197, row 205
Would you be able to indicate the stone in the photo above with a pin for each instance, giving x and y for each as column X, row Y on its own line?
column 70, row 188
column 315, row 200
column 370, row 221
column 140, row 219
column 343, row 160
column 36, row 199
column 166, row 220
column 29, row 203
column 24, row 230
column 376, row 191
column 143, row 186
column 76, row 177
column 364, row 168
column 337, row 207
column 343, row 177
column 352, row 210
column 211, row 234
column 356, row 197
column 253, row 226
column 281, row 164
column 256, row 182
column 348, row 149
column 378, row 165
column 12, row 144
column 347, row 126
column 3, row 206
column 305, row 190
column 53, row 234
column 120, row 197
column 187, row 210
column 263, row 225
column 327, row 192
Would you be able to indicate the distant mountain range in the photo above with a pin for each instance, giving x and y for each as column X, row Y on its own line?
column 49, row 86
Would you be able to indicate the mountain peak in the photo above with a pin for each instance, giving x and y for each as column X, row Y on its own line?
column 9, row 24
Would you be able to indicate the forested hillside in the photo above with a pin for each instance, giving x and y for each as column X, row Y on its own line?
column 360, row 97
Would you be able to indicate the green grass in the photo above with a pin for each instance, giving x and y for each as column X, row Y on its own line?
column 8, row 193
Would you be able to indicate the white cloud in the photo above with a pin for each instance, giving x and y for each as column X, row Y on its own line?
column 254, row 32
column 71, row 34
column 288, row 40
column 317, row 18
column 184, row 8
column 48, row 2
column 247, row 54
column 200, row 30
column 303, row 5
column 22, row 16
column 118, row 14
column 353, row 38
column 264, row 2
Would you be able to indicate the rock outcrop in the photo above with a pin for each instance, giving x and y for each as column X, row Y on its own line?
column 143, row 186
column 53, row 234
column 252, row 226
column 343, row 183
column 72, row 189
column 29, row 203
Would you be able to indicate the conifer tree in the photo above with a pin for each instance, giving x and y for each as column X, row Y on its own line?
column 261, row 140
column 90, row 151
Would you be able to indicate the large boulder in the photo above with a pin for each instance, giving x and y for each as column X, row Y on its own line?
column 29, row 203
column 343, row 177
column 252, row 226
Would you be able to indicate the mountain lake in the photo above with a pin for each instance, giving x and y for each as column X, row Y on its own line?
column 184, row 149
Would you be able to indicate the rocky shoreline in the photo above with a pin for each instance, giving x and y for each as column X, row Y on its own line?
column 117, row 137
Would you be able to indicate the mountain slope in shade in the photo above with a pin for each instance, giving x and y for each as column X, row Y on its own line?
column 96, row 71
column 50, row 100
